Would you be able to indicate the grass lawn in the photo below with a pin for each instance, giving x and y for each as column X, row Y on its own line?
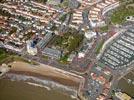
column 6, row 57
column 3, row 55
column 104, row 28
column 63, row 17
column 63, row 60
column 119, row 16
column 99, row 46
column 45, row 57
column 64, row 4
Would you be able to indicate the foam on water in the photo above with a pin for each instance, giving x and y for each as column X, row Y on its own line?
column 42, row 83
column 34, row 84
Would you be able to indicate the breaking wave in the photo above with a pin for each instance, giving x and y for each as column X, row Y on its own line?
column 48, row 84
column 38, row 85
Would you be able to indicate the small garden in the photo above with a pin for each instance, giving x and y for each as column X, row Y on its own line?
column 99, row 47
column 104, row 28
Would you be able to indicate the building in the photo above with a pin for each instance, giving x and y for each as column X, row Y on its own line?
column 54, row 2
column 74, row 4
column 90, row 35
column 97, row 12
column 83, row 51
column 31, row 49
column 122, row 96
column 42, row 44
column 53, row 53
column 101, row 97
column 71, row 57
column 130, row 18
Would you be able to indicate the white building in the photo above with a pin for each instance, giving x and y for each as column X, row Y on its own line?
column 31, row 50
column 89, row 35
column 71, row 57
column 122, row 96
column 81, row 54
column 83, row 51
column 130, row 18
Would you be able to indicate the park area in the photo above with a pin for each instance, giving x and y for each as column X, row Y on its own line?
column 120, row 14
column 8, row 57
column 68, row 42
column 3, row 55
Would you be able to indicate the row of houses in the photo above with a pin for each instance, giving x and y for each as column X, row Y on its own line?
column 97, row 12
column 31, row 23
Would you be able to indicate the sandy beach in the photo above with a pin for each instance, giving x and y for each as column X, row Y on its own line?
column 47, row 72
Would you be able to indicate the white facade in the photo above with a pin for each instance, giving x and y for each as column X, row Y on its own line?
column 81, row 54
column 31, row 50
column 122, row 96
column 90, row 35
column 130, row 18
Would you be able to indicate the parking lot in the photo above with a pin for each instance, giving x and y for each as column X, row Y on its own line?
column 120, row 53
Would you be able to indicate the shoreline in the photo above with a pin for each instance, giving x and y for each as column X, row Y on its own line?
column 43, row 77
column 17, row 90
column 42, row 82
column 48, row 72
column 46, row 76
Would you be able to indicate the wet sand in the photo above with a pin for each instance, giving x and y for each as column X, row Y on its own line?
column 48, row 72
column 62, row 84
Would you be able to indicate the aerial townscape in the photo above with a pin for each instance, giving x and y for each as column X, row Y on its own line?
column 70, row 49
